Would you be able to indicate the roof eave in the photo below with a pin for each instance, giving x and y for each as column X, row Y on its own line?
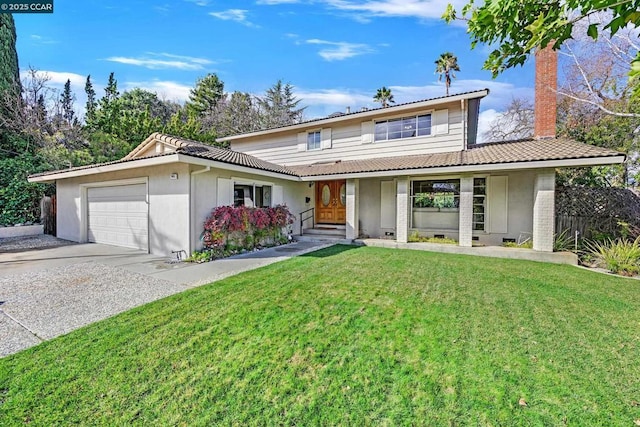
column 134, row 163
column 488, row 167
column 360, row 115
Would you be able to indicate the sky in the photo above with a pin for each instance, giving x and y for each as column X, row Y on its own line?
column 336, row 53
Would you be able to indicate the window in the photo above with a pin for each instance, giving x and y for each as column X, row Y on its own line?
column 479, row 198
column 443, row 193
column 406, row 127
column 252, row 196
column 313, row 140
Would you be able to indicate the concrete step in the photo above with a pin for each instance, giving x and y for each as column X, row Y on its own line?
column 325, row 231
column 323, row 238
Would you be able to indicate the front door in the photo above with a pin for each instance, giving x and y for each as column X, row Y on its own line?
column 331, row 202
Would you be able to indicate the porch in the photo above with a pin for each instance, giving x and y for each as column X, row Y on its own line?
column 476, row 210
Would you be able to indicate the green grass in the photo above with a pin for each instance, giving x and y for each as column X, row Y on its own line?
column 351, row 336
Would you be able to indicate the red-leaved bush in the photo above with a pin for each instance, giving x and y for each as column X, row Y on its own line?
column 246, row 224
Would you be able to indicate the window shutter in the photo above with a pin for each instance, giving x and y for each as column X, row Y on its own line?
column 225, row 192
column 302, row 141
column 277, row 196
column 366, row 130
column 440, row 122
column 497, row 187
column 325, row 138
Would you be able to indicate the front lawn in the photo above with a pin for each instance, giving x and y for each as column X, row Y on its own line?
column 351, row 336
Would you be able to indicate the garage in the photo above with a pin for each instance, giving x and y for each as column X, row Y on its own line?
column 118, row 215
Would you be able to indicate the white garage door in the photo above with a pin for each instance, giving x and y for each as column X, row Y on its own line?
column 117, row 215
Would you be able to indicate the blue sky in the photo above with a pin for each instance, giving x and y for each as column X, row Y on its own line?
column 336, row 53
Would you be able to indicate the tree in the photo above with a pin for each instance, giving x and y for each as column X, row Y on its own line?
column 9, row 70
column 279, row 106
column 91, row 104
column 67, row 101
column 239, row 115
column 517, row 28
column 514, row 123
column 206, row 95
column 384, row 96
column 446, row 64
column 596, row 71
column 108, row 113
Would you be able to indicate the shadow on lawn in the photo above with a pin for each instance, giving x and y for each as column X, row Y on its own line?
column 331, row 251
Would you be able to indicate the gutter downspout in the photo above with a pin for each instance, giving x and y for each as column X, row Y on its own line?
column 192, row 207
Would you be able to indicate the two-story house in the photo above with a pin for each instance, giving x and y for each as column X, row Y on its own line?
column 380, row 173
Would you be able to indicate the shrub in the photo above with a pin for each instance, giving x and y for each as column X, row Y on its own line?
column 416, row 237
column 618, row 256
column 230, row 230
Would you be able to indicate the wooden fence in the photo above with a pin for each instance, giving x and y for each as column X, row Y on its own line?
column 595, row 212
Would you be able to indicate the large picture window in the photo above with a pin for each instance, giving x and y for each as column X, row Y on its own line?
column 435, row 204
column 406, row 127
column 252, row 196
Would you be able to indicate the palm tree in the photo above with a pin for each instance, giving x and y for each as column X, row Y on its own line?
column 384, row 96
column 446, row 64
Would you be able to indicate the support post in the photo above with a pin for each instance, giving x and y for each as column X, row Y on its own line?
column 465, row 227
column 402, row 211
column 544, row 210
column 352, row 213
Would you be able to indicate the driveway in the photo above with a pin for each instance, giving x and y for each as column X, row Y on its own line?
column 50, row 292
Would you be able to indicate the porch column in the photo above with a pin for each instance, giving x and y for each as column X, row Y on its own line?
column 465, row 227
column 544, row 196
column 402, row 211
column 352, row 213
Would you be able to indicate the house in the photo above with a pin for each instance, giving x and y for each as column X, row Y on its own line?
column 381, row 173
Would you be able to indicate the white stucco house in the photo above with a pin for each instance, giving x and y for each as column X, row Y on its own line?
column 380, row 173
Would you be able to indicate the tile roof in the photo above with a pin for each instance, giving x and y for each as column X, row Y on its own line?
column 225, row 155
column 522, row 151
column 470, row 94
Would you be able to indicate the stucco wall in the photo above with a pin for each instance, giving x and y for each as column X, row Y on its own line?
column 205, row 191
column 168, row 205
column 519, row 213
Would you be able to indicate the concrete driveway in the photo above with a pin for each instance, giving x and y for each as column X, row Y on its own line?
column 50, row 292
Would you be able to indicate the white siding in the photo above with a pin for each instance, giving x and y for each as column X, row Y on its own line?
column 352, row 140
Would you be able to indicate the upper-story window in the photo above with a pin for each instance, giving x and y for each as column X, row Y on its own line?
column 313, row 140
column 406, row 127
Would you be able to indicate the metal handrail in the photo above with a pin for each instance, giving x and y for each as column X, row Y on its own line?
column 312, row 218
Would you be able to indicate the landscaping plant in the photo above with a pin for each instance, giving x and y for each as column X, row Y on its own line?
column 618, row 256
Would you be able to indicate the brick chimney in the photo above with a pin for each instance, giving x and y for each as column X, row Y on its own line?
column 545, row 93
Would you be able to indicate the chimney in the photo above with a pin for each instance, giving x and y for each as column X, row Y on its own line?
column 544, row 114
column 348, row 110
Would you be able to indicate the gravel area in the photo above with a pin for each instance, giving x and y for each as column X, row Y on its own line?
column 41, row 241
column 52, row 302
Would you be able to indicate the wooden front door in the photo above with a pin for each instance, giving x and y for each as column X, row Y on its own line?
column 331, row 202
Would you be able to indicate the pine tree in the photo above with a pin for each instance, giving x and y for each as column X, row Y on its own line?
column 206, row 95
column 108, row 113
column 280, row 106
column 91, row 101
column 67, row 103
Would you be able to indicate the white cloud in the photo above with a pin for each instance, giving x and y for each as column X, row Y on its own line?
column 38, row 39
column 338, row 51
column 275, row 2
column 484, row 120
column 156, row 61
column 422, row 9
column 59, row 78
column 165, row 89
column 199, row 2
column 322, row 102
column 237, row 15
column 500, row 94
